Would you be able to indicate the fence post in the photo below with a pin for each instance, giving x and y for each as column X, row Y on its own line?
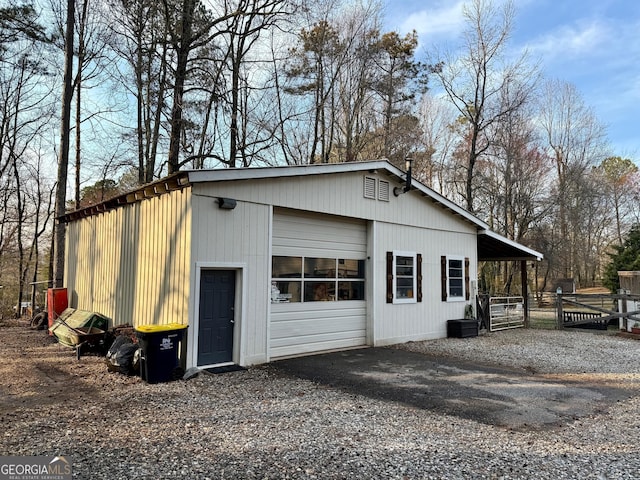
column 560, row 320
column 625, row 319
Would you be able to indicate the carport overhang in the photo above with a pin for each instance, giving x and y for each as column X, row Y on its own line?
column 493, row 247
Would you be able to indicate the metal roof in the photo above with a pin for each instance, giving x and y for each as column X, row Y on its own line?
column 177, row 181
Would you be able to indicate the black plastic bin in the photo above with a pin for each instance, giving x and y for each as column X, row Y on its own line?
column 462, row 328
column 161, row 352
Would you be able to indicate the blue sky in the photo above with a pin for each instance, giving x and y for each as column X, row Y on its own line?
column 594, row 44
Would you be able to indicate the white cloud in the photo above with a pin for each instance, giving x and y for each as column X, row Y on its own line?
column 442, row 21
column 580, row 40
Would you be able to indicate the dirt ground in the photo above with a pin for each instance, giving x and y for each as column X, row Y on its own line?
column 37, row 372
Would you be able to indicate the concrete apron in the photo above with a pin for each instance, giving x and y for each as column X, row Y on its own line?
column 496, row 396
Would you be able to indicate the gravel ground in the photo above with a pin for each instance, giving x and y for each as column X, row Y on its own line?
column 261, row 423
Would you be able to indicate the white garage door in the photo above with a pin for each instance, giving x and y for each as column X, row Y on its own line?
column 318, row 283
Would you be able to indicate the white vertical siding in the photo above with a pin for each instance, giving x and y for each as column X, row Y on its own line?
column 341, row 195
column 397, row 323
column 130, row 263
column 238, row 237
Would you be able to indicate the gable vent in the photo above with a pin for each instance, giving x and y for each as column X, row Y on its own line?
column 384, row 188
column 370, row 188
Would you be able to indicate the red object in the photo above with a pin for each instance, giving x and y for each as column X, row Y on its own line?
column 57, row 302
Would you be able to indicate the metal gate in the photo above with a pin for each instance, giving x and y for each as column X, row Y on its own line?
column 506, row 312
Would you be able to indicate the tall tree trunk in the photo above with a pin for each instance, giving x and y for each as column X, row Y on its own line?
column 20, row 226
column 182, row 56
column 81, row 55
column 63, row 161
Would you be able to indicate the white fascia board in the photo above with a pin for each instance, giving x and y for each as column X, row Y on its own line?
column 539, row 256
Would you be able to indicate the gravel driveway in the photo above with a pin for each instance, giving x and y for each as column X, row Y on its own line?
column 267, row 423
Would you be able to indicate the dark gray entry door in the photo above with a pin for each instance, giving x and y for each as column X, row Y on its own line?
column 215, row 327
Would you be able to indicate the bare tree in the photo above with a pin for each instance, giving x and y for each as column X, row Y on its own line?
column 439, row 136
column 26, row 102
column 91, row 62
column 355, row 98
column 513, row 190
column 474, row 82
column 336, row 68
column 193, row 27
column 576, row 141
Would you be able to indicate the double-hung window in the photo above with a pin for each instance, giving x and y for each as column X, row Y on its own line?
column 455, row 278
column 404, row 277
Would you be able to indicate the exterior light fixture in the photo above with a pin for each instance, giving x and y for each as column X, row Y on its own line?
column 227, row 203
column 397, row 191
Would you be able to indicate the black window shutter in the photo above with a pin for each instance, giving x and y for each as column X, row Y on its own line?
column 419, row 279
column 389, row 277
column 443, row 277
column 467, row 293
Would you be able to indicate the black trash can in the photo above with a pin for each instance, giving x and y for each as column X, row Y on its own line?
column 161, row 351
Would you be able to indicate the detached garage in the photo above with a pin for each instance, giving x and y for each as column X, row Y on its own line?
column 266, row 263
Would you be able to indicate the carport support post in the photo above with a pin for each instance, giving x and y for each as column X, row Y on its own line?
column 525, row 292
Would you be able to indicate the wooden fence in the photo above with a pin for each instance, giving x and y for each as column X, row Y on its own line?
column 597, row 310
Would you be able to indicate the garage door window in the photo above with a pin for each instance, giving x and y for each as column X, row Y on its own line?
column 316, row 279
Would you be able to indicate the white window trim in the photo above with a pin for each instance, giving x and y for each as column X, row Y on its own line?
column 451, row 298
column 414, row 255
